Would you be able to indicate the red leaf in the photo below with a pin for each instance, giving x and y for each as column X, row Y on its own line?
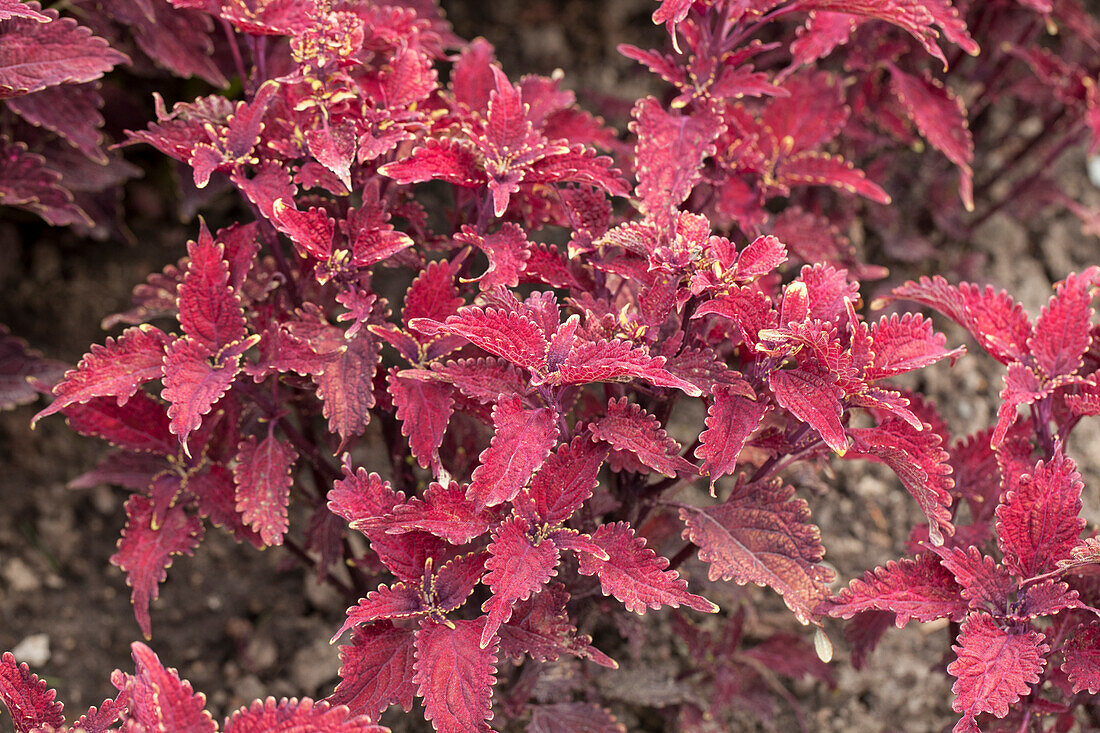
column 508, row 251
column 116, row 369
column 147, row 547
column 444, row 160
column 139, row 425
column 941, row 118
column 919, row 461
column 576, row 717
column 71, row 111
column 444, row 512
column 263, row 478
column 29, row 700
column 1082, row 659
column 310, row 230
column 387, row 602
column 1062, row 332
column 985, row 583
column 812, row 168
column 483, row 379
column 731, row 419
column 346, row 387
column 903, row 344
column 669, row 154
column 823, row 32
column 511, row 336
column 616, row 361
column 376, row 670
column 994, row 668
column 271, row 183
column 193, row 383
column 1000, row 325
column 812, row 396
column 333, row 146
column 26, row 182
column 1037, row 522
column 19, row 9
column 762, row 534
column 522, row 439
column 159, row 699
column 457, row 579
column 424, row 409
column 455, row 675
column 209, row 310
column 360, row 495
column 760, row 257
column 635, row 574
column 565, row 481
column 627, row 427
column 35, row 55
column 540, row 629
column 296, row 716
column 518, row 566
column 919, row 588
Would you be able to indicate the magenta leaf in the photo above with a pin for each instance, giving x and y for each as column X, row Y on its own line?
column 31, row 703
column 812, row 395
column 731, row 419
column 627, row 427
column 263, row 476
column 1082, row 659
column 919, row 588
column 424, row 409
column 518, row 566
column 38, row 55
column 565, row 481
column 1037, row 522
column 522, row 439
column 993, row 668
column 376, row 670
column 635, row 574
column 147, row 547
column 159, row 698
column 455, row 675
column 296, row 716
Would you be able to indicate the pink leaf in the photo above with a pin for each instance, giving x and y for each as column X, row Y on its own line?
column 376, row 670
column 1082, row 659
column 209, row 309
column 565, row 481
column 812, row 396
column 159, row 699
column 31, row 703
column 263, row 476
column 522, row 439
column 635, row 574
column 455, row 675
column 147, row 547
column 1037, row 522
column 424, row 409
column 627, row 427
column 730, row 420
column 994, row 668
column 116, row 369
column 296, row 716
column 920, row 589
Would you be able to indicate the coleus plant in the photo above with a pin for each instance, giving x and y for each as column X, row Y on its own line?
column 523, row 392
column 154, row 698
column 1027, row 644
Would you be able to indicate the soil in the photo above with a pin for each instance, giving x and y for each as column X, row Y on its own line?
column 241, row 624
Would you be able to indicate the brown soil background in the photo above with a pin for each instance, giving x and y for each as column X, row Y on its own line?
column 239, row 626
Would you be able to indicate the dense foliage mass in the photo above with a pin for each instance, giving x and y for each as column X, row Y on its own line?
column 520, row 298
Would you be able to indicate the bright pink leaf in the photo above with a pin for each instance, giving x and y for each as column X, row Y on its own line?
column 1082, row 659
column 159, row 699
column 920, row 589
column 730, row 420
column 518, row 566
column 424, row 409
column 812, row 396
column 296, row 716
column 209, row 309
column 1037, row 522
column 31, row 703
column 565, row 481
column 616, row 361
column 1063, row 329
column 376, row 670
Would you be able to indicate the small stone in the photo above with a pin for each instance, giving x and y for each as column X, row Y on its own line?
column 34, row 650
column 20, row 577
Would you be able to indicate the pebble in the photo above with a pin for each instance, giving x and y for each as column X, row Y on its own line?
column 20, row 577
column 34, row 650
